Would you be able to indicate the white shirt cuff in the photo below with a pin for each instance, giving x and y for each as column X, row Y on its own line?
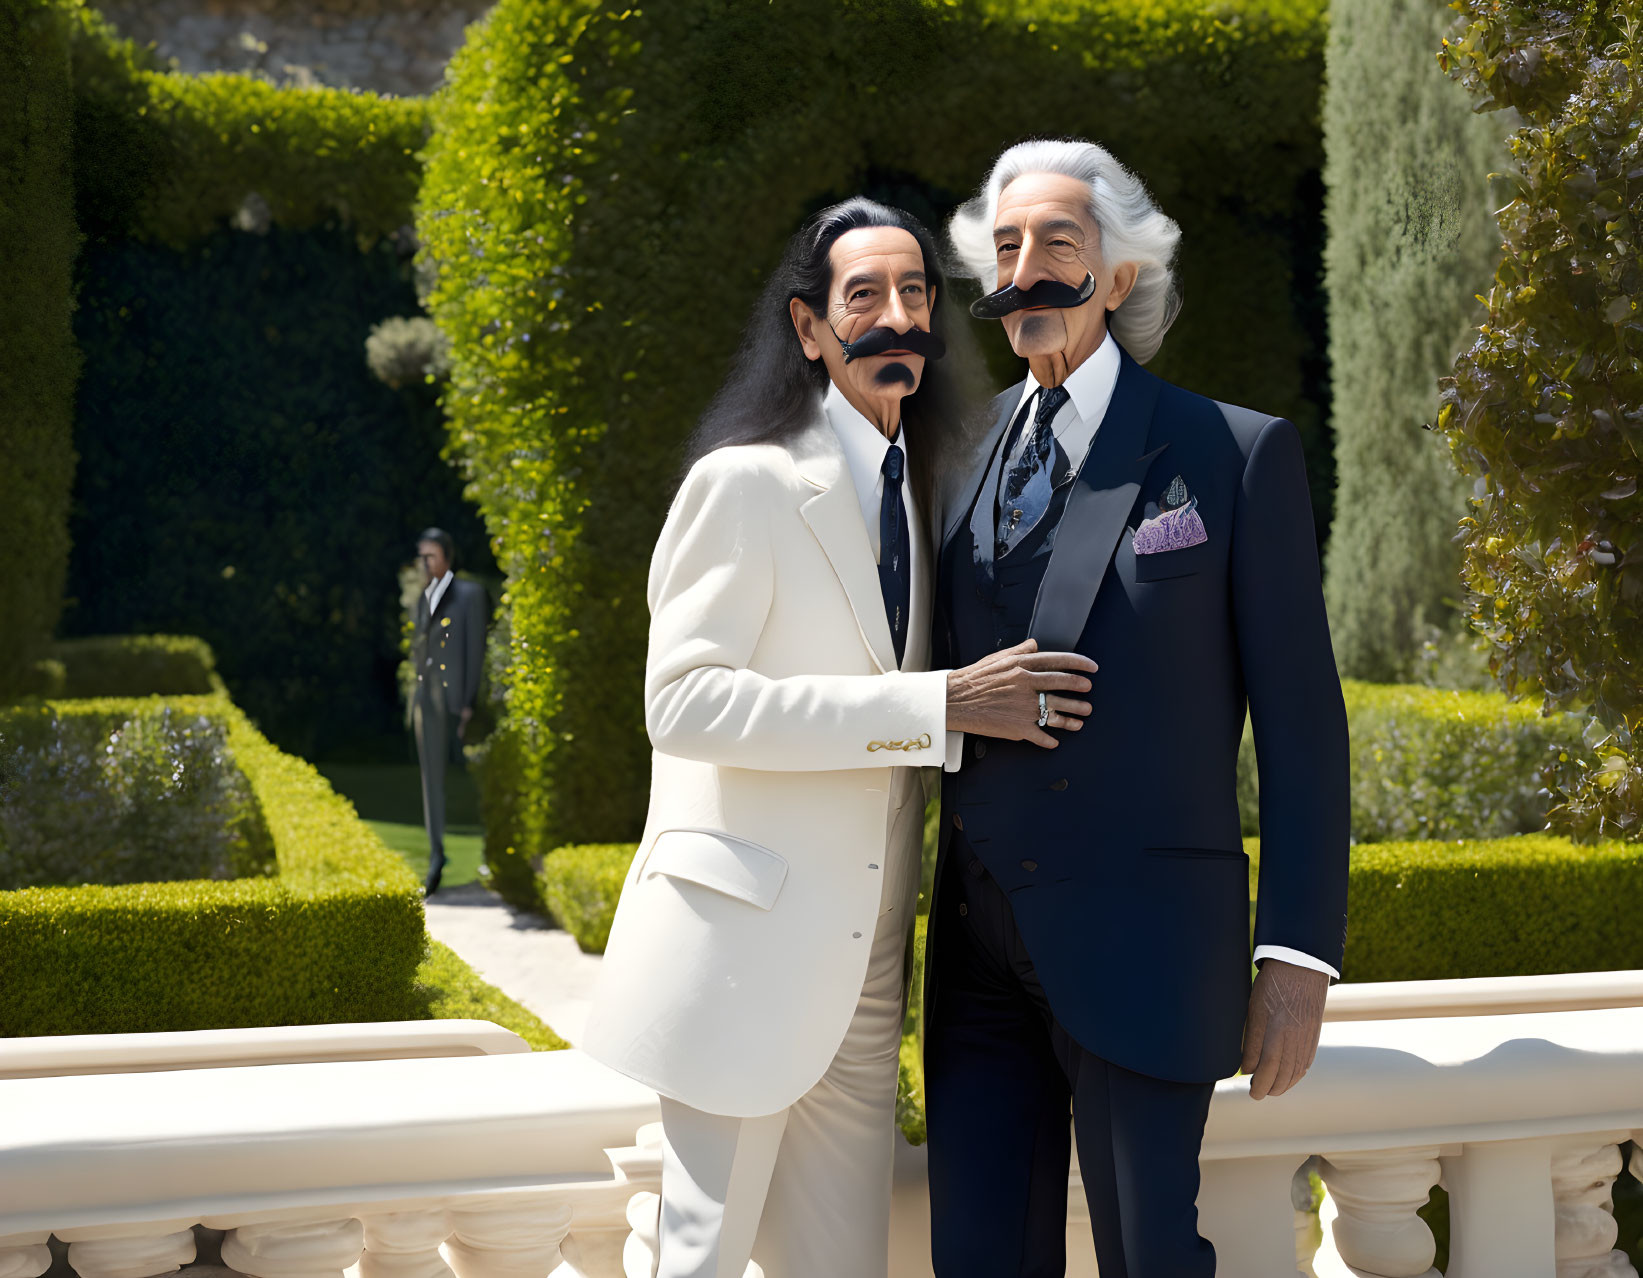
column 955, row 752
column 1286, row 955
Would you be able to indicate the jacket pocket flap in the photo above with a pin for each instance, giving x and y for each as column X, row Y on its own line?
column 721, row 862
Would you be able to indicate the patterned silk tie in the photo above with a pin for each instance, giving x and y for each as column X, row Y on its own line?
column 895, row 551
column 1027, row 485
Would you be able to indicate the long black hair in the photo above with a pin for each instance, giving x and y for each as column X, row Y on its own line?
column 772, row 389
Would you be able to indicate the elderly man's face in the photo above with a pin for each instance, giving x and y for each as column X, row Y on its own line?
column 1043, row 230
column 878, row 280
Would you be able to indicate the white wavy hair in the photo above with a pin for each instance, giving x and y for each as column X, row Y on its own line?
column 1132, row 227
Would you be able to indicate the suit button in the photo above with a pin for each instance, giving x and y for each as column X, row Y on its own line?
column 981, row 749
column 1060, row 783
column 958, row 822
column 1029, row 866
column 855, row 936
column 963, row 909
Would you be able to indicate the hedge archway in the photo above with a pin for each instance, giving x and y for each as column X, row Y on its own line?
column 605, row 191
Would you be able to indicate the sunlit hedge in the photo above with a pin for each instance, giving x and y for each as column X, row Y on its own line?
column 168, row 156
column 1433, row 763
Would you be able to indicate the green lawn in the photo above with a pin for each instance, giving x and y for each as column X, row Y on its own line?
column 389, row 800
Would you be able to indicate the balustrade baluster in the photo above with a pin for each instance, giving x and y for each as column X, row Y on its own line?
column 25, row 1255
column 599, row 1234
column 405, row 1244
column 318, row 1249
column 513, row 1237
column 1583, row 1175
column 1369, row 1223
column 643, row 1251
column 161, row 1249
column 1245, row 1208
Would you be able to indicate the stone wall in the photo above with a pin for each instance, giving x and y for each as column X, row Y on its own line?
column 389, row 46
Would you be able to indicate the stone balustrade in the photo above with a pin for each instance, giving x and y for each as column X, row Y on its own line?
column 521, row 1165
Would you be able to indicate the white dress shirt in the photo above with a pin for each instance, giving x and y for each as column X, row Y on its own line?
column 864, row 447
column 1089, row 392
column 434, row 593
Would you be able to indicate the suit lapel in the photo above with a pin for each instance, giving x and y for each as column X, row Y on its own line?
column 1100, row 502
column 834, row 516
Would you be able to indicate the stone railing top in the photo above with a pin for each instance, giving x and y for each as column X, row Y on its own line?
column 1438, row 1080
column 276, row 1045
column 1490, row 995
column 264, row 1143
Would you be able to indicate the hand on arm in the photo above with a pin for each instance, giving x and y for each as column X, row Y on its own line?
column 1286, row 1016
column 998, row 695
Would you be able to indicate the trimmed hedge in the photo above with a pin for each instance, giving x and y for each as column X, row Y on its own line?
column 1411, row 241
column 1434, row 763
column 338, row 936
column 39, row 363
column 106, row 791
column 137, row 666
column 580, row 886
column 606, row 187
column 168, row 156
column 1508, row 907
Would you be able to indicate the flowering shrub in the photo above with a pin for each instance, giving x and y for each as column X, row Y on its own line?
column 133, row 792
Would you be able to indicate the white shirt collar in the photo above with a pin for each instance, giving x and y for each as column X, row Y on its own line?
column 1090, row 385
column 437, row 588
column 864, row 449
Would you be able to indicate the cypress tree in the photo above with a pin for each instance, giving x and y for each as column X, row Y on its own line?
column 1410, row 243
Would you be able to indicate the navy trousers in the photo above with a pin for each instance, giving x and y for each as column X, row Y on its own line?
column 1002, row 1078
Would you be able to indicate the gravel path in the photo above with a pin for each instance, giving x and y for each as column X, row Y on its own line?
column 532, row 963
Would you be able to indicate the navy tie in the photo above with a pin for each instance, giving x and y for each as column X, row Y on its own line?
column 1025, row 492
column 895, row 551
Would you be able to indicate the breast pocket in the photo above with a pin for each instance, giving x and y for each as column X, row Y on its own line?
column 1164, row 564
column 720, row 862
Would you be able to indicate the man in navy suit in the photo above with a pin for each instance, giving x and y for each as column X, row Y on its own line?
column 1089, row 947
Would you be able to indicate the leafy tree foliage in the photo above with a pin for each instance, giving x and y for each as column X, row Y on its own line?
column 1546, row 406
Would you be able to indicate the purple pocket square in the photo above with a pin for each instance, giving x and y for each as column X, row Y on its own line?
column 1171, row 530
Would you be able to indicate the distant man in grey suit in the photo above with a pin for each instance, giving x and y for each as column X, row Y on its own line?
column 447, row 652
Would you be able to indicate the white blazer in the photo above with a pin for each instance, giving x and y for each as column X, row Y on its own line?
column 783, row 787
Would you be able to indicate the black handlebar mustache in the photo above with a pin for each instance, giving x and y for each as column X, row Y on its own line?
column 883, row 338
column 1051, row 293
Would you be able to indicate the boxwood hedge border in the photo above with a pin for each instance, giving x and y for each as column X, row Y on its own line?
column 337, row 936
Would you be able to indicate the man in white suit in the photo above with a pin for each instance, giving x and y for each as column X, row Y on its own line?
column 755, row 972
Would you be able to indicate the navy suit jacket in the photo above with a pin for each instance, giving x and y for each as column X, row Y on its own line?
column 1120, row 849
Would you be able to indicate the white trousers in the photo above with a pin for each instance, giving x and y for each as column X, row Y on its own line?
column 805, row 1192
